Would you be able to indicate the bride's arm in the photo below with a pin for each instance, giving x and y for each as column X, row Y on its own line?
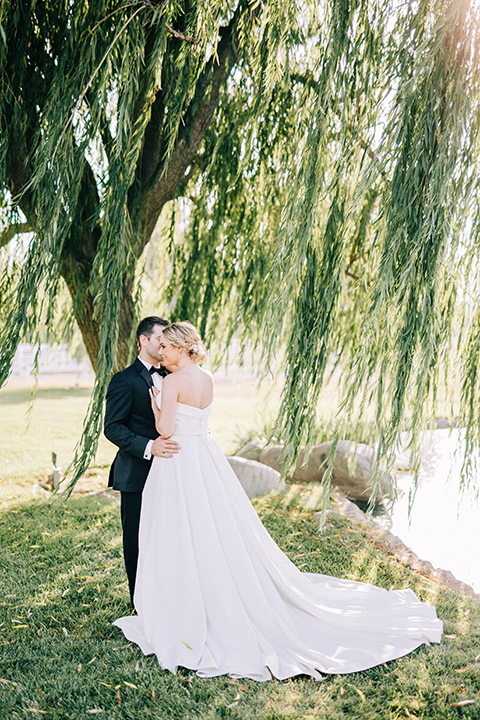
column 165, row 421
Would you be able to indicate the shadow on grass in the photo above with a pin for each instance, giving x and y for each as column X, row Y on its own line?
column 63, row 584
column 20, row 396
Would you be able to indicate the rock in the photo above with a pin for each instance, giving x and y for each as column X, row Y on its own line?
column 353, row 471
column 252, row 450
column 272, row 456
column 347, row 508
column 313, row 470
column 403, row 461
column 256, row 479
column 352, row 468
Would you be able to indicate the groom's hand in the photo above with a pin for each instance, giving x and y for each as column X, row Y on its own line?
column 165, row 447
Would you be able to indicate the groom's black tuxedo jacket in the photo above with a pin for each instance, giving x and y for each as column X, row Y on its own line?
column 130, row 424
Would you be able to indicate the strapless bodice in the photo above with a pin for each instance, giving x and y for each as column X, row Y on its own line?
column 190, row 420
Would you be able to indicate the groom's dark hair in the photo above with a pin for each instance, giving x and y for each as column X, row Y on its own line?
column 145, row 326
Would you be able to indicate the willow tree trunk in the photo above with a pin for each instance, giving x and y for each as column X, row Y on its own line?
column 158, row 178
column 125, row 327
column 89, row 324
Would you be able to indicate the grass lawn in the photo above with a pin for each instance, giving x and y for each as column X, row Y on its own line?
column 63, row 583
column 53, row 422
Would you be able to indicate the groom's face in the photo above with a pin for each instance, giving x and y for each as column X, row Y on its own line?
column 150, row 346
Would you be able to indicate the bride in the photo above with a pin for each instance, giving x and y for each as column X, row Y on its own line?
column 214, row 593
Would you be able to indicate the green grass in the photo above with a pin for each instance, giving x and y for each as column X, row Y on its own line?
column 30, row 432
column 63, row 583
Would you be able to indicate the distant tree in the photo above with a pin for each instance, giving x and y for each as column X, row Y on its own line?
column 321, row 158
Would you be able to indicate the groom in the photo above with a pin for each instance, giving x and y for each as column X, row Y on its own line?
column 130, row 424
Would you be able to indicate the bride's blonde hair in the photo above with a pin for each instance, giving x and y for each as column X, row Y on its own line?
column 185, row 335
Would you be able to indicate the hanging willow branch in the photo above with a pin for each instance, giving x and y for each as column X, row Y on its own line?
column 181, row 36
column 92, row 78
column 319, row 166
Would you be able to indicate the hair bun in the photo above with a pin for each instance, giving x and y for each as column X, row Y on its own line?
column 185, row 335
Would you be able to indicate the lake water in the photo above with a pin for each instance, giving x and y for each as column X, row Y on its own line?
column 444, row 525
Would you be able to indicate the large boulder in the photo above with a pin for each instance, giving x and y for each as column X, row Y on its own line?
column 256, row 478
column 353, row 472
column 252, row 450
column 352, row 468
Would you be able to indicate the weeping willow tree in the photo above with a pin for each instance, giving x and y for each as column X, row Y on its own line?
column 320, row 158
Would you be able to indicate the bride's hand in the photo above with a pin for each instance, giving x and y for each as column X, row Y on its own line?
column 153, row 397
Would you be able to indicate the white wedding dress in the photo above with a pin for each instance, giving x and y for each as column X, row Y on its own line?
column 215, row 594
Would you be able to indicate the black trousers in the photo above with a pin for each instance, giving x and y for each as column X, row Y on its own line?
column 130, row 507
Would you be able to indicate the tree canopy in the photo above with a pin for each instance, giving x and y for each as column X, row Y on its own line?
column 316, row 163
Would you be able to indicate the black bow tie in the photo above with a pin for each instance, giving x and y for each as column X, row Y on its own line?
column 153, row 369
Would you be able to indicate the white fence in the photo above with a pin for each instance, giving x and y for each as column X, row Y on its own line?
column 52, row 360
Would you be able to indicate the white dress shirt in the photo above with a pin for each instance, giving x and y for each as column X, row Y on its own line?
column 157, row 381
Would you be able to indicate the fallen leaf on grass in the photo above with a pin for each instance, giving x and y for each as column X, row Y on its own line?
column 237, row 697
column 409, row 714
column 463, row 702
column 360, row 693
column 34, row 710
column 17, row 627
column 94, row 711
column 130, row 685
column 450, row 637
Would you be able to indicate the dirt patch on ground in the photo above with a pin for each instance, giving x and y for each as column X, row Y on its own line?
column 94, row 482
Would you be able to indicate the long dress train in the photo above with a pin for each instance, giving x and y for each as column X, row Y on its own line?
column 215, row 594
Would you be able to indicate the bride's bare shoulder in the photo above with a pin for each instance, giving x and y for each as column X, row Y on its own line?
column 171, row 383
column 206, row 378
